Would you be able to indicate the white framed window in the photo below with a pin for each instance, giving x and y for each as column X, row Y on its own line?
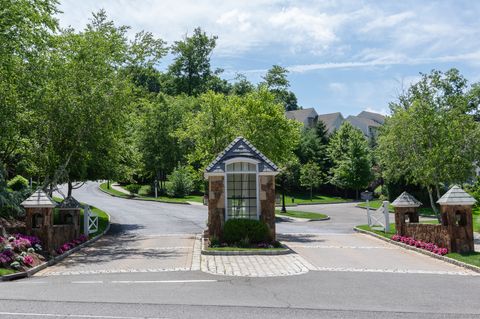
column 241, row 190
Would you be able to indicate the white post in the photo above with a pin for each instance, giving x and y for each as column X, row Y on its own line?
column 387, row 216
column 369, row 219
column 156, row 182
column 86, row 213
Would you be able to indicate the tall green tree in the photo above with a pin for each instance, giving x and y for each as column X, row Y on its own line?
column 160, row 147
column 311, row 176
column 351, row 158
column 87, row 102
column 277, row 82
column 220, row 119
column 25, row 30
column 191, row 70
column 430, row 138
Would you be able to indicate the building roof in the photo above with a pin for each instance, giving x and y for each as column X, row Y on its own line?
column 241, row 147
column 456, row 196
column 376, row 117
column 301, row 115
column 69, row 203
column 39, row 199
column 332, row 121
column 406, row 200
column 362, row 124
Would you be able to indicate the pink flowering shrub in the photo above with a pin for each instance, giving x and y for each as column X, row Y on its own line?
column 28, row 260
column 32, row 239
column 67, row 246
column 420, row 244
column 21, row 244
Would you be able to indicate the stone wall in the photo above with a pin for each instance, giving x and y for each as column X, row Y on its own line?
column 455, row 233
column 267, row 202
column 429, row 233
column 52, row 236
column 216, row 206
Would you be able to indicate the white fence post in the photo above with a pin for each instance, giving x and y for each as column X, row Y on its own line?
column 368, row 214
column 387, row 216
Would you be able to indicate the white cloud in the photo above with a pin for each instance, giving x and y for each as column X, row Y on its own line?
column 386, row 60
column 387, row 21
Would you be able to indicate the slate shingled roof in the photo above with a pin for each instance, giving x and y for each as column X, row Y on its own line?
column 39, row 199
column 456, row 196
column 241, row 147
column 69, row 202
column 406, row 200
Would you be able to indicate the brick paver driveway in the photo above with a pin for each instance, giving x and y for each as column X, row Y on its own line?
column 144, row 237
column 158, row 237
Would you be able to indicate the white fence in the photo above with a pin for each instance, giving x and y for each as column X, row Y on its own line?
column 379, row 217
column 90, row 221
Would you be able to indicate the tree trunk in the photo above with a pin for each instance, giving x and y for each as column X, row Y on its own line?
column 432, row 203
column 437, row 190
column 356, row 194
column 70, row 187
column 108, row 183
column 311, row 193
column 284, row 209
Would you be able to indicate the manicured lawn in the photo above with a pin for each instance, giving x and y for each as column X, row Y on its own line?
column 166, row 199
column 316, row 199
column 379, row 232
column 476, row 220
column 300, row 214
column 111, row 191
column 4, row 271
column 242, row 249
column 375, row 204
column 470, row 258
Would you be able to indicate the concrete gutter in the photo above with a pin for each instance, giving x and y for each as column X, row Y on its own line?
column 56, row 259
column 421, row 251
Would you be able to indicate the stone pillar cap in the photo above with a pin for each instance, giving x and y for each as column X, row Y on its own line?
column 456, row 196
column 406, row 200
column 39, row 199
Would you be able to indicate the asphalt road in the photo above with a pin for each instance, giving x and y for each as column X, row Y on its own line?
column 193, row 294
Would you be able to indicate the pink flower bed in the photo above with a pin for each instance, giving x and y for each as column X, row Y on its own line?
column 421, row 244
column 67, row 246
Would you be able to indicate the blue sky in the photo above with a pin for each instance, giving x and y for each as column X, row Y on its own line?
column 345, row 56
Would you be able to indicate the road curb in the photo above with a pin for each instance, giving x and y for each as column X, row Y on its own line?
column 56, row 259
column 421, row 251
column 285, row 251
column 303, row 219
column 143, row 200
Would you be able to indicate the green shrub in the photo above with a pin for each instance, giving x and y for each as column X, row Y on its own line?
column 133, row 188
column 245, row 232
column 18, row 183
column 180, row 182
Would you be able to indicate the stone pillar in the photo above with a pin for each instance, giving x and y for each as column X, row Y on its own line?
column 39, row 222
column 459, row 223
column 402, row 214
column 267, row 202
column 216, row 205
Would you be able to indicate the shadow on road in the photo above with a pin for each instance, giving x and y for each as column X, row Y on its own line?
column 299, row 238
column 120, row 243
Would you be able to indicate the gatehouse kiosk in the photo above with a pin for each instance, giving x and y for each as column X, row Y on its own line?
column 241, row 184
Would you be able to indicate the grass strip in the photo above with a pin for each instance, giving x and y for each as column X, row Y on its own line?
column 300, row 214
